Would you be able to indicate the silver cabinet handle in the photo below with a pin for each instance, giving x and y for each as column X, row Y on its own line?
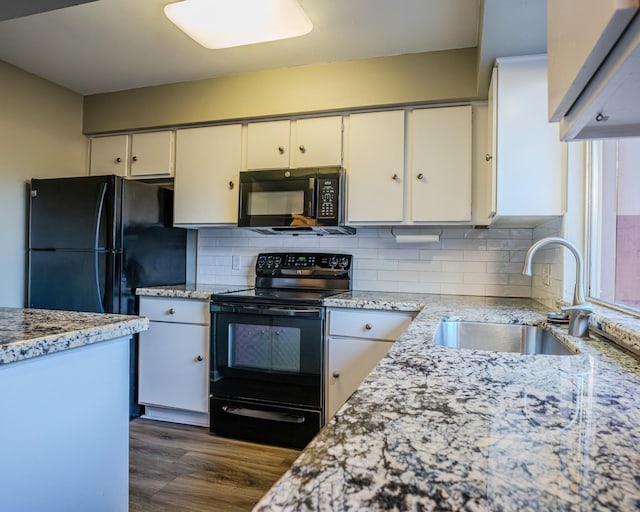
column 488, row 157
column 171, row 311
column 394, row 177
column 118, row 160
column 199, row 358
column 302, row 149
column 281, row 150
column 368, row 327
column 336, row 374
column 420, row 176
column 135, row 159
column 231, row 185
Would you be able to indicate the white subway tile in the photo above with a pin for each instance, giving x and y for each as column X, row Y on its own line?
column 419, row 287
column 474, row 244
column 508, row 245
column 473, row 278
column 384, row 275
column 507, row 291
column 501, row 267
column 396, row 254
column 462, row 289
column 443, row 255
column 383, row 286
column 441, row 277
column 375, row 264
column 420, row 265
column 464, row 266
column 486, row 255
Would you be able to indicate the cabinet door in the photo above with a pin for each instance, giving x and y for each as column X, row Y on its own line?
column 152, row 154
column 529, row 172
column 440, row 166
column 173, row 366
column 376, row 166
column 268, row 145
column 318, row 142
column 109, row 155
column 350, row 360
column 206, row 182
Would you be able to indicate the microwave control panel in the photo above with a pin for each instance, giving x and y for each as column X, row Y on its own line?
column 327, row 199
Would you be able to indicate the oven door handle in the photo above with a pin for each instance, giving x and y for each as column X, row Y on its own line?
column 263, row 415
column 274, row 311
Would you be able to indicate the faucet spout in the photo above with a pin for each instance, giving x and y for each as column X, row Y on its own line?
column 580, row 309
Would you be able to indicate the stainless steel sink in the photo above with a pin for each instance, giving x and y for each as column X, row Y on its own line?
column 525, row 339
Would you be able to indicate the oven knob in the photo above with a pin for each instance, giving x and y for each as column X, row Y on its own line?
column 333, row 262
column 277, row 261
column 261, row 261
column 269, row 261
column 344, row 262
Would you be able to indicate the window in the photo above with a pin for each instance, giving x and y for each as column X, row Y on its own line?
column 614, row 220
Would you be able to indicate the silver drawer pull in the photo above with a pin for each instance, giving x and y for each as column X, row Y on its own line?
column 368, row 327
column 199, row 358
column 263, row 415
column 171, row 311
column 336, row 374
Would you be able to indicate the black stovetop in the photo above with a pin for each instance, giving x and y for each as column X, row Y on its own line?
column 276, row 296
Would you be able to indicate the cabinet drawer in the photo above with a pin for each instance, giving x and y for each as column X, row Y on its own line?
column 380, row 325
column 184, row 311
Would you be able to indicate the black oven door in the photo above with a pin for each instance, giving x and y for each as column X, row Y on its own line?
column 270, row 354
column 269, row 199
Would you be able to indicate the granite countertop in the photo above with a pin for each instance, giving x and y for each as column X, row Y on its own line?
column 190, row 291
column 28, row 333
column 433, row 428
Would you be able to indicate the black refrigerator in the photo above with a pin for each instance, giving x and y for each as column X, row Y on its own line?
column 93, row 240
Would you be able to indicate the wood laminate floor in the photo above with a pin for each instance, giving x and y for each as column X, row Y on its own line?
column 183, row 468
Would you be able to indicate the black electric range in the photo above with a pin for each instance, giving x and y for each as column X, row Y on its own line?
column 267, row 354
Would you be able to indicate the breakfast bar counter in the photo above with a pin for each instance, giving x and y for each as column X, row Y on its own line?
column 436, row 428
column 65, row 409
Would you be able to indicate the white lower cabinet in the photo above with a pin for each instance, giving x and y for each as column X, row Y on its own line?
column 357, row 340
column 173, row 360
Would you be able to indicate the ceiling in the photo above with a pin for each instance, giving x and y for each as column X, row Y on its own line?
column 111, row 45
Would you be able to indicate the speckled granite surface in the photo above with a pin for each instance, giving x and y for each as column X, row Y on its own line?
column 28, row 333
column 182, row 291
column 434, row 428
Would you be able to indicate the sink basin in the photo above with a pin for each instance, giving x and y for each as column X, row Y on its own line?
column 524, row 339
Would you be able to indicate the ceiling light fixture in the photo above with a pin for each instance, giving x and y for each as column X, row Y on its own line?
column 226, row 23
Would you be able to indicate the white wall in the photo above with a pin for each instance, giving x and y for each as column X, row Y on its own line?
column 464, row 261
column 40, row 136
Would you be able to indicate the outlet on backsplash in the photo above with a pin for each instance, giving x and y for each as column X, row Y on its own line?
column 546, row 274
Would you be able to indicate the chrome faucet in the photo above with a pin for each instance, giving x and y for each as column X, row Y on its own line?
column 580, row 309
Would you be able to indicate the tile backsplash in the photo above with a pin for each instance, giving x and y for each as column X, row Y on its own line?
column 464, row 261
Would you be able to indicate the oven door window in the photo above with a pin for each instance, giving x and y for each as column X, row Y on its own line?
column 269, row 358
column 271, row 348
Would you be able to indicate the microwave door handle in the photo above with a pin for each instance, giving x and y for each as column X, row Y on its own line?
column 313, row 187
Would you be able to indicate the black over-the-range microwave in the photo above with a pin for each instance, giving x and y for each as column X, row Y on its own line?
column 294, row 201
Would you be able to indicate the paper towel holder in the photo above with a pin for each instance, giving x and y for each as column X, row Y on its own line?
column 414, row 239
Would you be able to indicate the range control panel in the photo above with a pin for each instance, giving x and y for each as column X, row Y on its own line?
column 273, row 263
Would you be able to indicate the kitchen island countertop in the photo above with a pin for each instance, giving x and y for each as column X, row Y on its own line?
column 29, row 333
column 439, row 428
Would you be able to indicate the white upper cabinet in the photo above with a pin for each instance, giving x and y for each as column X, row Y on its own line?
column 109, row 155
column 312, row 142
column 528, row 181
column 594, row 67
column 440, row 164
column 375, row 167
column 317, row 142
column 268, row 145
column 206, row 181
column 435, row 184
column 152, row 154
column 140, row 155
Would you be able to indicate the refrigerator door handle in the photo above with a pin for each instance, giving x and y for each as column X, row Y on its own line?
column 96, row 276
column 99, row 207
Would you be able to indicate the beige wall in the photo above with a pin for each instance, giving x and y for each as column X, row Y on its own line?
column 404, row 79
column 40, row 136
